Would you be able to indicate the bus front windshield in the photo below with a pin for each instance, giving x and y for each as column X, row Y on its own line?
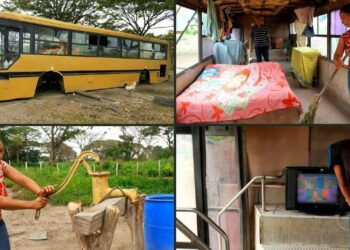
column 9, row 47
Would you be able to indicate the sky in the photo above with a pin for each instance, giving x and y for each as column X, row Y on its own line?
column 162, row 27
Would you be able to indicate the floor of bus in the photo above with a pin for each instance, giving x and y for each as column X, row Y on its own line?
column 327, row 113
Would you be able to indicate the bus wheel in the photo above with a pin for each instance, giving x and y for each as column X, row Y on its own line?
column 50, row 81
column 144, row 77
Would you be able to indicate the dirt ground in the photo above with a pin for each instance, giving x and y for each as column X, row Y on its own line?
column 115, row 106
column 56, row 222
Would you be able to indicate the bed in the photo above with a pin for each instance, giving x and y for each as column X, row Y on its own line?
column 253, row 93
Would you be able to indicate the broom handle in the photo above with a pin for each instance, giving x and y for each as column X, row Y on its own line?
column 332, row 76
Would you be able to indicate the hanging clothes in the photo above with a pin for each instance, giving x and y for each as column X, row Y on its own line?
column 228, row 52
column 305, row 15
column 305, row 18
column 212, row 21
column 299, row 29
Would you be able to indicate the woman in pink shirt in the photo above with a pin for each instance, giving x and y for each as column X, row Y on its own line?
column 12, row 204
column 344, row 41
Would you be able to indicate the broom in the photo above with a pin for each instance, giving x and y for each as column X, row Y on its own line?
column 310, row 115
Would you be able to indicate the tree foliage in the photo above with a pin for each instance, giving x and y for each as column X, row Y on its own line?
column 20, row 142
column 57, row 135
column 24, row 143
column 86, row 137
column 137, row 15
column 74, row 11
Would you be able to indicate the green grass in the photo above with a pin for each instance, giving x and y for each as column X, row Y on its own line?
column 80, row 186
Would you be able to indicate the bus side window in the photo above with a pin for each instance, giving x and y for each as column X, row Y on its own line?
column 13, row 38
column 26, row 39
column 160, row 51
column 109, row 46
column 146, row 50
column 130, row 48
column 84, row 44
column 62, row 36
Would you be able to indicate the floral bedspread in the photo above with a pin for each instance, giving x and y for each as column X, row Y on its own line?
column 233, row 92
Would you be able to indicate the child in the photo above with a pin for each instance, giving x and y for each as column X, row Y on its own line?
column 344, row 41
column 11, row 204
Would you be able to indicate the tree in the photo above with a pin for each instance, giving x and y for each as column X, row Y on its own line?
column 167, row 135
column 57, row 135
column 137, row 15
column 127, row 143
column 86, row 137
column 19, row 141
column 147, row 136
column 160, row 153
column 106, row 148
column 74, row 11
column 66, row 153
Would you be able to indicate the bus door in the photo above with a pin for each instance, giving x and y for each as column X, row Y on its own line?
column 207, row 178
column 9, row 46
column 222, row 179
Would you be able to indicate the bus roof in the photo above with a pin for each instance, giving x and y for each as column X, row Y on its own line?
column 261, row 7
column 70, row 26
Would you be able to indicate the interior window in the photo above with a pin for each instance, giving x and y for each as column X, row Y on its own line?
column 337, row 27
column 185, row 183
column 187, row 46
column 319, row 41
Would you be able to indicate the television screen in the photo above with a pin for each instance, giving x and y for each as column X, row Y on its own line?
column 317, row 188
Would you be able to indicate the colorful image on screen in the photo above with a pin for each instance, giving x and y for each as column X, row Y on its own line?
column 317, row 188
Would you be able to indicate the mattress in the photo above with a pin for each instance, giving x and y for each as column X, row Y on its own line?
column 230, row 93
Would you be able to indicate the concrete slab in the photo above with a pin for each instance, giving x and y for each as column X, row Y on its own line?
column 40, row 235
column 284, row 228
column 301, row 247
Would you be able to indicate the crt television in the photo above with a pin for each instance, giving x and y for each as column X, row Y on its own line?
column 313, row 190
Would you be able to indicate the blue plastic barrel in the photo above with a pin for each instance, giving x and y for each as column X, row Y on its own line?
column 159, row 222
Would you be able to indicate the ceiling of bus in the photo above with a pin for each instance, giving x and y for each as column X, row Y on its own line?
column 256, row 7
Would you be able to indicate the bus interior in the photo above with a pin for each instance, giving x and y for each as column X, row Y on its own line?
column 230, row 188
column 198, row 48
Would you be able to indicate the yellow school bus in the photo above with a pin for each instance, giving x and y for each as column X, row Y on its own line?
column 36, row 51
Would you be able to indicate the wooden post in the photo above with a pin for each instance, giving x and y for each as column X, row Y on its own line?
column 26, row 164
column 10, row 162
column 58, row 170
column 74, row 208
column 94, row 168
column 135, row 221
column 116, row 168
column 159, row 168
column 83, row 222
column 137, row 168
